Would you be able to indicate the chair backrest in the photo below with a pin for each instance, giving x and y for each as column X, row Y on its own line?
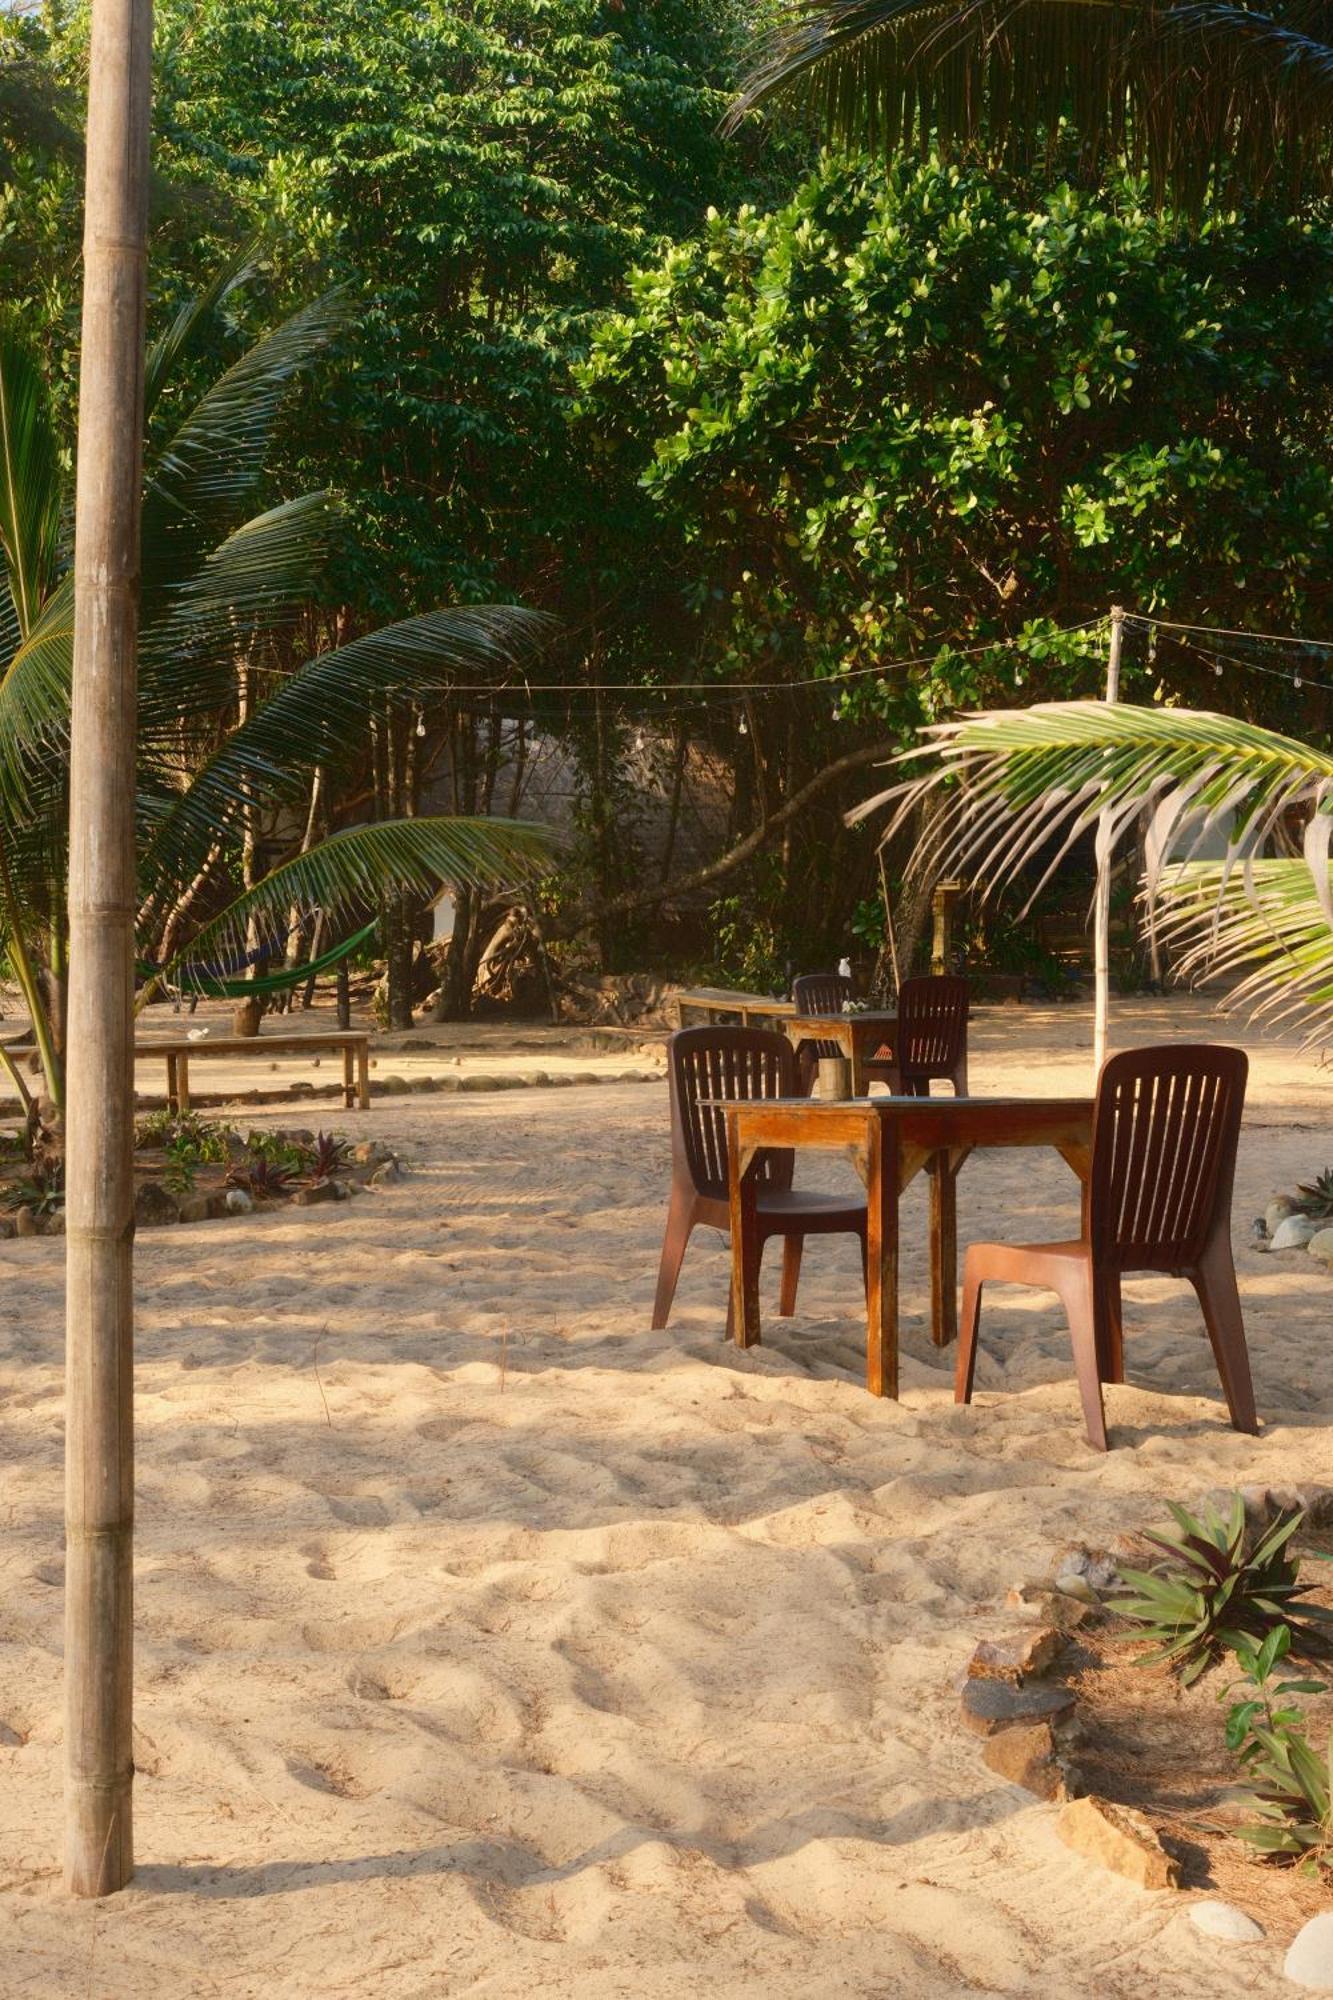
column 932, row 1026
column 820, row 993
column 722, row 1065
column 1164, row 1139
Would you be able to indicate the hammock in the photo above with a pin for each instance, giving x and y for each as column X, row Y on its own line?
column 202, row 980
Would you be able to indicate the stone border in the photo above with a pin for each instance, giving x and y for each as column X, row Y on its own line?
column 1027, row 1718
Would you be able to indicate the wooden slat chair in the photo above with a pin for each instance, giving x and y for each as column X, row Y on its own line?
column 931, row 1039
column 708, row 1067
column 1164, row 1138
column 824, row 993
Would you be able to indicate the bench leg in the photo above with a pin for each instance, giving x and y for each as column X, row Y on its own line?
column 363, row 1075
column 182, row 1084
column 348, row 1098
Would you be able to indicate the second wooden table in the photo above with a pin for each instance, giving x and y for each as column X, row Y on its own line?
column 889, row 1140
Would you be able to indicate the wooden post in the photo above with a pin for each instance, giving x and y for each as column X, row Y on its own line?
column 99, row 1441
column 1101, row 919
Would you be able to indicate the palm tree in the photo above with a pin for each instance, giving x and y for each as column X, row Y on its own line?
column 1022, row 785
column 220, row 591
column 1203, row 93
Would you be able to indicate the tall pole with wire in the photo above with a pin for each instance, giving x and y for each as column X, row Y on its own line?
column 1101, row 914
column 99, row 1241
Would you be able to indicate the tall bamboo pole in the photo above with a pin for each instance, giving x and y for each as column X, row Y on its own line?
column 1101, row 917
column 99, row 1441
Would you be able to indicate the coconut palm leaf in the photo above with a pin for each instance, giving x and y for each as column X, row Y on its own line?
column 346, row 874
column 319, row 714
column 29, row 482
column 1207, row 89
column 1020, row 786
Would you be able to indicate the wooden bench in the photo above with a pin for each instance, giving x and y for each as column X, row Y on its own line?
column 178, row 1051
column 716, row 1003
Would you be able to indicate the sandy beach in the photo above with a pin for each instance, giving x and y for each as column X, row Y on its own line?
column 491, row 1644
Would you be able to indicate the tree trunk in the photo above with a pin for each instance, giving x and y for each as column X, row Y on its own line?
column 99, row 1245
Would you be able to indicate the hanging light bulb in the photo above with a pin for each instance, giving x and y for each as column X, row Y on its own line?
column 744, row 727
column 639, row 743
column 1295, row 680
column 1217, row 668
column 421, row 725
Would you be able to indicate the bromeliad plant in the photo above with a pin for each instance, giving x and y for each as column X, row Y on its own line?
column 1212, row 1594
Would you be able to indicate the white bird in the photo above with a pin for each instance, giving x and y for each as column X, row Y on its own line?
column 195, row 1034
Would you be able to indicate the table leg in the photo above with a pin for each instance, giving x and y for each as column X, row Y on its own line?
column 857, row 1055
column 182, row 1083
column 363, row 1075
column 348, row 1098
column 744, row 1245
column 173, row 1095
column 943, row 1250
column 881, row 1257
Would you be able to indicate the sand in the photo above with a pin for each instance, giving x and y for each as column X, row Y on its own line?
column 490, row 1644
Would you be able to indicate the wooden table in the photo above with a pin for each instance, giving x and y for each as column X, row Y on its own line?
column 889, row 1140
column 717, row 1003
column 858, row 1036
column 178, row 1052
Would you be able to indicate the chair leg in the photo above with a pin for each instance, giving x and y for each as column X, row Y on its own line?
column 792, row 1246
column 1215, row 1283
column 966, row 1365
column 1111, row 1360
column 1080, row 1303
column 679, row 1224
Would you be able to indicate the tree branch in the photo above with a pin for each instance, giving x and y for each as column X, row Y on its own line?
column 588, row 914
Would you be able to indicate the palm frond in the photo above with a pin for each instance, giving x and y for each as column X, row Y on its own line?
column 1261, row 926
column 29, row 481
column 345, row 875
column 254, row 583
column 1011, row 791
column 201, row 482
column 193, row 315
column 1198, row 90
column 319, row 714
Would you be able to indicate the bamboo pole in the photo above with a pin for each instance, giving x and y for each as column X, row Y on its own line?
column 1101, row 920
column 99, row 1444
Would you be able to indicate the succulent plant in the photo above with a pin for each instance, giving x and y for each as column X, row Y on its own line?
column 266, row 1180
column 1315, row 1198
column 329, row 1156
column 1212, row 1594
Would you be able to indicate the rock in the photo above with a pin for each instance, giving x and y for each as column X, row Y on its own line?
column 1026, row 1754
column 479, row 1083
column 1120, row 1839
column 586, row 1076
column 534, row 1079
column 1309, row 1960
column 1224, row 1920
column 370, row 1152
column 296, row 1135
column 1015, row 1659
column 388, row 1084
column 55, row 1223
column 1051, row 1607
column 6, row 1227
column 1277, row 1211
column 1295, row 1232
column 1321, row 1245
column 388, row 1175
column 203, row 1207
column 317, row 1192
column 153, row 1206
column 240, row 1201
column 989, row 1706
column 25, row 1222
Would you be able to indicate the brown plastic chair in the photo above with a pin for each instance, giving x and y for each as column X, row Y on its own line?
column 1164, row 1137
column 824, row 993
column 931, row 1040
column 708, row 1066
